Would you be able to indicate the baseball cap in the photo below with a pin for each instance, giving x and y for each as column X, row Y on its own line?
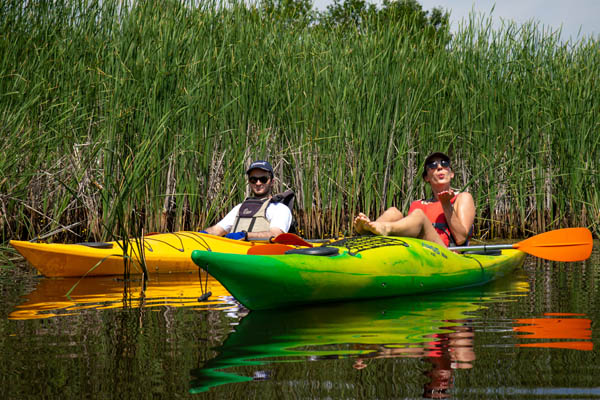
column 260, row 164
column 430, row 157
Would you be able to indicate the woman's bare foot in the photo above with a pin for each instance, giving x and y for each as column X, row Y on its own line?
column 361, row 224
column 379, row 228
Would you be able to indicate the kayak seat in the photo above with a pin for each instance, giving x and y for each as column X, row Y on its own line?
column 97, row 245
column 316, row 251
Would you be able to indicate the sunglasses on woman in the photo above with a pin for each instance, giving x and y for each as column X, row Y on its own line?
column 434, row 164
column 262, row 179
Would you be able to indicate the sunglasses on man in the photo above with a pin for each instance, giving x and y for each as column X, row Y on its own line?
column 262, row 179
column 434, row 164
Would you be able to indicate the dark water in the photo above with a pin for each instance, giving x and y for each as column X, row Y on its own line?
column 532, row 335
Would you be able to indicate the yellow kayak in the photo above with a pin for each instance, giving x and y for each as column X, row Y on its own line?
column 164, row 253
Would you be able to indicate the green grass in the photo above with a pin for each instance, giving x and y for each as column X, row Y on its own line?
column 128, row 116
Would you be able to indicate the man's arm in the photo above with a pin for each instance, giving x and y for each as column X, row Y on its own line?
column 216, row 230
column 265, row 234
column 224, row 226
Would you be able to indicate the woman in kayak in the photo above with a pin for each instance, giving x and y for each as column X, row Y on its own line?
column 259, row 216
column 445, row 219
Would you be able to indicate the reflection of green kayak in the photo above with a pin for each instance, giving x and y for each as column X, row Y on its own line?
column 352, row 269
column 343, row 330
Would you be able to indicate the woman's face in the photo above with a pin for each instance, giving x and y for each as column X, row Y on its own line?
column 438, row 174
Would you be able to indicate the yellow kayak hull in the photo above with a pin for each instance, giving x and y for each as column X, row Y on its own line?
column 164, row 253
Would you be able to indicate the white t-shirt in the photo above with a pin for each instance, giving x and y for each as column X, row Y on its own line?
column 278, row 214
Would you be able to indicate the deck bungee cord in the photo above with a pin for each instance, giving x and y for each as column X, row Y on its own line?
column 361, row 243
column 192, row 235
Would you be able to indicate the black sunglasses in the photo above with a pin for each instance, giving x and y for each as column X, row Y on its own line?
column 434, row 164
column 262, row 179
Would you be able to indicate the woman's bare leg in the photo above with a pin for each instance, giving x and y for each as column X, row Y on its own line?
column 361, row 221
column 415, row 225
column 390, row 215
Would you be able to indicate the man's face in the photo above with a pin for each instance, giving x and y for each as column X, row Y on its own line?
column 260, row 182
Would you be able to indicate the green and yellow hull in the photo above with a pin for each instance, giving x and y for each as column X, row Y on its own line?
column 364, row 268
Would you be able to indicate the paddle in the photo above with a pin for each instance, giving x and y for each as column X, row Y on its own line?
column 268, row 249
column 282, row 243
column 569, row 244
column 291, row 239
column 295, row 240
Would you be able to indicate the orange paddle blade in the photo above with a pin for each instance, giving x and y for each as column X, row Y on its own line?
column 569, row 244
column 268, row 249
column 290, row 238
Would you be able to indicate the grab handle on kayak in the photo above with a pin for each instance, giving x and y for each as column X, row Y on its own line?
column 97, row 245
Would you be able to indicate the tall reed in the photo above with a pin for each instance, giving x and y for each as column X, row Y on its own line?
column 143, row 115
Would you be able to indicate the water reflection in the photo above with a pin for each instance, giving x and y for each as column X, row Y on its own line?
column 436, row 328
column 444, row 351
column 55, row 297
column 505, row 339
column 556, row 330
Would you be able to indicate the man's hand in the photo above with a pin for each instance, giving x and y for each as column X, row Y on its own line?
column 237, row 235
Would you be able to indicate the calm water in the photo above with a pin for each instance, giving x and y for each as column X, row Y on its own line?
column 533, row 335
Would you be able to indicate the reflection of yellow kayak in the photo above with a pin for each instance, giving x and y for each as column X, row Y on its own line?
column 175, row 290
column 164, row 253
column 398, row 327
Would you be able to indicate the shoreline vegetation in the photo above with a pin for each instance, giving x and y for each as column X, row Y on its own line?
column 125, row 117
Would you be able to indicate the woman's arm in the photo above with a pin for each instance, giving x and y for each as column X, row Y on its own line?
column 459, row 216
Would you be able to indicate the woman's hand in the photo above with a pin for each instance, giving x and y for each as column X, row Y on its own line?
column 445, row 196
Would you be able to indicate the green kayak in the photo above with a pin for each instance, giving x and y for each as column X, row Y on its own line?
column 356, row 268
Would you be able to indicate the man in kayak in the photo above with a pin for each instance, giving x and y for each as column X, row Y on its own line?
column 445, row 219
column 258, row 217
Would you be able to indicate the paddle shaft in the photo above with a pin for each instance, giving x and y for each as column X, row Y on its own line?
column 483, row 247
column 308, row 240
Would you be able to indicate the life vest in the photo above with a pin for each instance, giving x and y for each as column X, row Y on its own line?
column 287, row 198
column 252, row 216
column 435, row 214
